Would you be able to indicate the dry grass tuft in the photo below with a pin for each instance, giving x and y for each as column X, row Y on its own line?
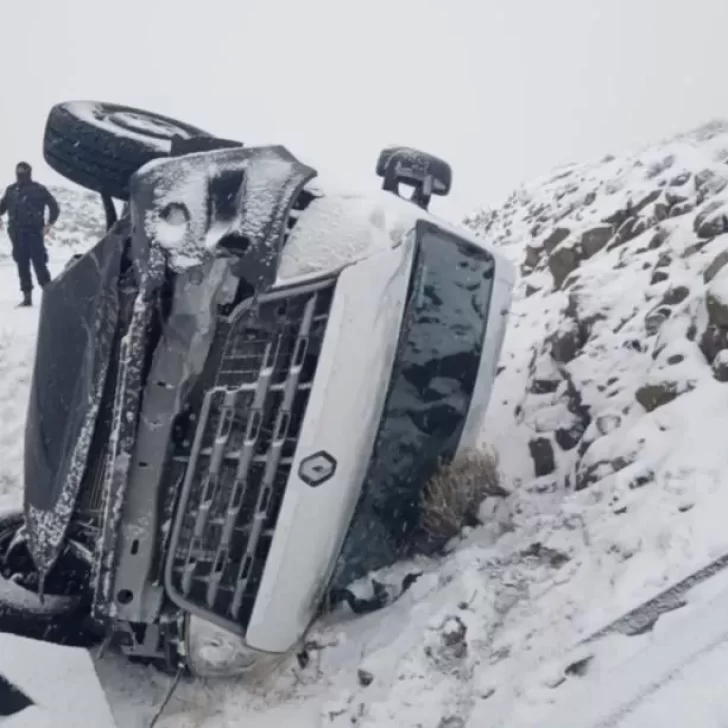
column 453, row 496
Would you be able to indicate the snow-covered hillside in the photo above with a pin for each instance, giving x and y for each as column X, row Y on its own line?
column 612, row 390
column 612, row 400
column 81, row 220
column 608, row 414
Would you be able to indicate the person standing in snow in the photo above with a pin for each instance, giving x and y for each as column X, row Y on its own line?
column 25, row 203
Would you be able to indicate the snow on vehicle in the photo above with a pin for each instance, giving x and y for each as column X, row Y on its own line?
column 241, row 390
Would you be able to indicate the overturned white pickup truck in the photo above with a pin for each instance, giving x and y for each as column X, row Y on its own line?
column 239, row 392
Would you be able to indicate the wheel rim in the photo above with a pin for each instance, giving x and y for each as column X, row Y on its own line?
column 142, row 123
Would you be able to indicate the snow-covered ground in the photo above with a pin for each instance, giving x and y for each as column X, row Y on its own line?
column 609, row 416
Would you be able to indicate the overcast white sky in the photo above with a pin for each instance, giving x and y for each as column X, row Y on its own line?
column 503, row 89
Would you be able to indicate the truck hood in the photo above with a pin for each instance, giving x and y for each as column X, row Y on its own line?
column 341, row 227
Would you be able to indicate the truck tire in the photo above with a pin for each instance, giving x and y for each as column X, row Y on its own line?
column 100, row 145
column 61, row 617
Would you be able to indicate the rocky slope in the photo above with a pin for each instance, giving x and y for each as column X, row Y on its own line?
column 622, row 306
column 82, row 218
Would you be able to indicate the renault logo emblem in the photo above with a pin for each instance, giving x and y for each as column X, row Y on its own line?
column 317, row 468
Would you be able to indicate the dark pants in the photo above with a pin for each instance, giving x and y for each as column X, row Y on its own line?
column 29, row 249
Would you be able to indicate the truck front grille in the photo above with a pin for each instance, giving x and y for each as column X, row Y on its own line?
column 246, row 416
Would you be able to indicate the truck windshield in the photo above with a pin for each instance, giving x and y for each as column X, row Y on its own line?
column 432, row 384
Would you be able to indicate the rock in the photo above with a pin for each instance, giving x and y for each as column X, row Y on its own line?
column 694, row 248
column 625, row 232
column 658, row 239
column 608, row 423
column 453, row 634
column 675, row 295
column 555, row 238
column 635, row 345
column 542, row 453
column 533, row 256
column 449, row 647
column 711, row 220
column 675, row 359
column 566, row 343
column 617, row 218
column 664, row 260
column 717, row 310
column 672, row 200
column 365, row 677
column 713, row 341
column 661, row 211
column 658, row 276
column 715, row 265
column 451, row 721
column 680, row 179
column 544, row 386
column 553, row 557
column 563, row 261
column 592, row 241
column 713, row 226
column 641, row 480
column 589, row 474
column 658, row 168
column 530, row 290
column 652, row 396
column 568, row 438
column 682, row 208
column 712, row 187
column 703, row 177
column 572, row 306
column 720, row 366
column 650, row 197
column 620, row 463
column 655, row 318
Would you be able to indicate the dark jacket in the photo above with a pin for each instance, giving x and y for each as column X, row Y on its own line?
column 25, row 204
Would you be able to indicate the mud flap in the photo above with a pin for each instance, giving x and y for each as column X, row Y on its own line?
column 47, row 685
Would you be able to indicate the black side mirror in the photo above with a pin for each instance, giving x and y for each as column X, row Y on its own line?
column 425, row 173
